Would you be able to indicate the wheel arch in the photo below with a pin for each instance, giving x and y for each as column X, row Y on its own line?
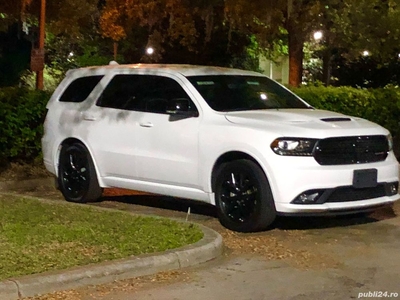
column 232, row 156
column 70, row 141
column 253, row 207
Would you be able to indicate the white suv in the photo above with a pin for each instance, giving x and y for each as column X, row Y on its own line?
column 231, row 138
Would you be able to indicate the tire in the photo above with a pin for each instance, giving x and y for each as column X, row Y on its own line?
column 77, row 178
column 243, row 197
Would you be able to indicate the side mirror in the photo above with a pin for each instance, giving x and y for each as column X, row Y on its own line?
column 182, row 107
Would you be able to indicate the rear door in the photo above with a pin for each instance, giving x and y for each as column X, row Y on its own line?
column 111, row 128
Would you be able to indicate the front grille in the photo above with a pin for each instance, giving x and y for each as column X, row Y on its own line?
column 345, row 194
column 351, row 150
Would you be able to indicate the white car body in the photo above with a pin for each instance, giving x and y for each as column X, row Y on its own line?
column 148, row 152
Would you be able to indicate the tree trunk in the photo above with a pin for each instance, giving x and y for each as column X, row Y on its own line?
column 296, row 54
column 115, row 50
column 326, row 67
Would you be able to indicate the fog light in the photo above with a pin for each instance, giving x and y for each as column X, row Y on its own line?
column 308, row 197
column 393, row 189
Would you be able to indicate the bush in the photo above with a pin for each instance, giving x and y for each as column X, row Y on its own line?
column 22, row 114
column 381, row 106
column 386, row 109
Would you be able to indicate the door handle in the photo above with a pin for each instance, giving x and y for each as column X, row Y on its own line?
column 89, row 117
column 146, row 124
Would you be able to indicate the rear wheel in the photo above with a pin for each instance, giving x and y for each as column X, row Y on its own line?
column 243, row 196
column 77, row 178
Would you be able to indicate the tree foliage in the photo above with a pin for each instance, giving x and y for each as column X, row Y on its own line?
column 189, row 22
column 179, row 30
column 350, row 29
column 371, row 25
column 278, row 20
column 221, row 32
column 12, row 11
column 166, row 20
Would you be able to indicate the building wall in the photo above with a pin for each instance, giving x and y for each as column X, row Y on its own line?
column 278, row 71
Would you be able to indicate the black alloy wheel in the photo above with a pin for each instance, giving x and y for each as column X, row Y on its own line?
column 77, row 177
column 243, row 196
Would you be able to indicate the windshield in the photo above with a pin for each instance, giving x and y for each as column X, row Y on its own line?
column 237, row 92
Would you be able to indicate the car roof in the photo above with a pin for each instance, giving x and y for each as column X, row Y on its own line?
column 184, row 69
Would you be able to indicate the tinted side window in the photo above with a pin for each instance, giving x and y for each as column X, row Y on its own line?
column 239, row 92
column 141, row 92
column 80, row 88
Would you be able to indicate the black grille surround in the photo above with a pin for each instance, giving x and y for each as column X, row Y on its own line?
column 351, row 150
column 345, row 194
column 350, row 193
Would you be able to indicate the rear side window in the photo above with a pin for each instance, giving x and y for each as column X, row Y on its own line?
column 147, row 93
column 80, row 88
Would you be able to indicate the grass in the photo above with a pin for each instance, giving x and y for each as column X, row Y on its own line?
column 38, row 236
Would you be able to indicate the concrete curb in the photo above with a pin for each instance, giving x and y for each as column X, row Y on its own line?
column 208, row 248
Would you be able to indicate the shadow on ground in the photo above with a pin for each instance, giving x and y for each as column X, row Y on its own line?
column 281, row 223
column 293, row 223
column 168, row 203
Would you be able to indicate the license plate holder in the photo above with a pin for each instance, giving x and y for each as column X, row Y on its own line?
column 365, row 178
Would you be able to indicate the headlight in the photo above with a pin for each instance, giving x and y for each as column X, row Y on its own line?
column 294, row 146
column 390, row 141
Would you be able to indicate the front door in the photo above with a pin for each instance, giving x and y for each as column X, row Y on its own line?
column 167, row 150
column 167, row 146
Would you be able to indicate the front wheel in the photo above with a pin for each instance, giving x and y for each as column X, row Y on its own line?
column 77, row 177
column 243, row 196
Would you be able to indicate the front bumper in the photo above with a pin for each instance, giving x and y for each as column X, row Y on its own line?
column 292, row 176
column 336, row 208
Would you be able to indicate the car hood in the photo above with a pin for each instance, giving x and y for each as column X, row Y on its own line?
column 297, row 121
